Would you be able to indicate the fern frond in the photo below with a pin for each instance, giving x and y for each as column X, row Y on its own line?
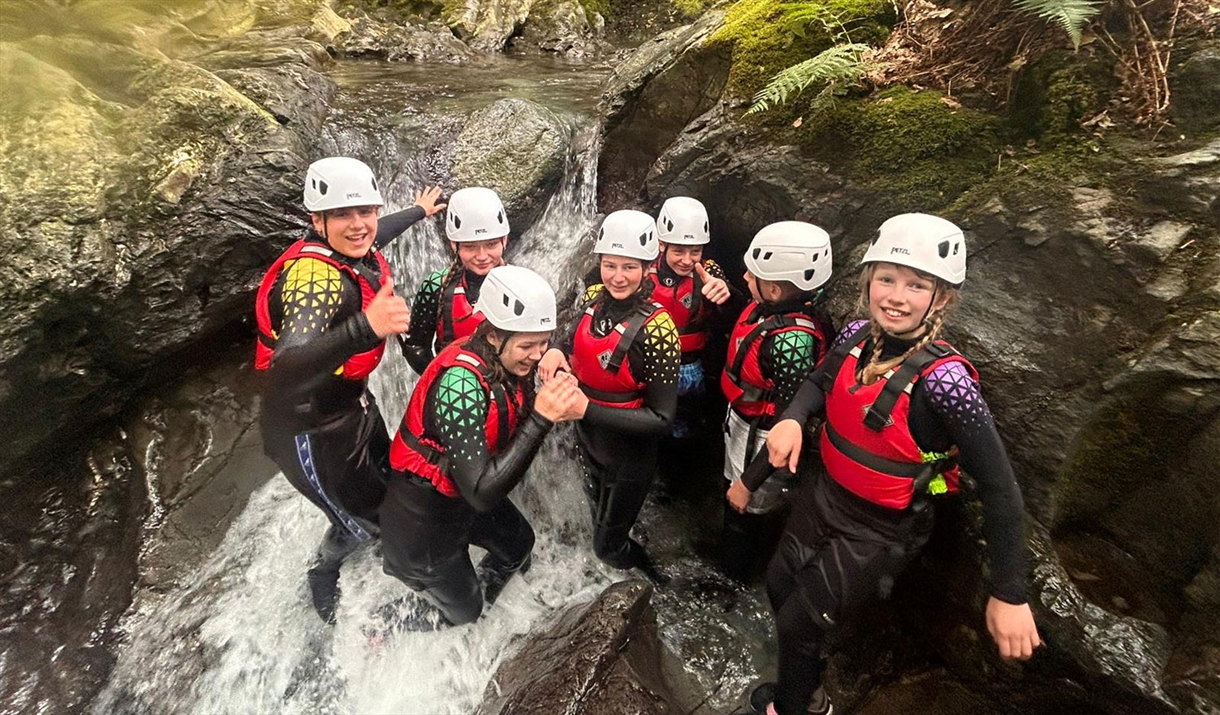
column 1071, row 15
column 840, row 65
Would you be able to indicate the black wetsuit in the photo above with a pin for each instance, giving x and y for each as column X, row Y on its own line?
column 323, row 430
column 840, row 552
column 426, row 536
column 419, row 345
column 618, row 446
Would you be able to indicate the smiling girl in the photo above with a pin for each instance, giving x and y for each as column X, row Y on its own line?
column 903, row 411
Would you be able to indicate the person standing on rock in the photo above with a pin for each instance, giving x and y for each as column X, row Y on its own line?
column 692, row 290
column 902, row 411
column 477, row 228
column 778, row 339
column 625, row 353
column 324, row 310
column 471, row 430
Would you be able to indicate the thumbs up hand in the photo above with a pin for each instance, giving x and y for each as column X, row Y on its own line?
column 387, row 313
column 714, row 289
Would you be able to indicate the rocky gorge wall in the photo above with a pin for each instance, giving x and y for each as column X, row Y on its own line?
column 1090, row 309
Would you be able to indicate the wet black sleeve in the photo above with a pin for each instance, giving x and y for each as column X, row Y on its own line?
column 719, row 317
column 809, row 400
column 417, row 343
column 392, row 225
column 311, row 344
column 953, row 397
column 660, row 356
column 460, row 408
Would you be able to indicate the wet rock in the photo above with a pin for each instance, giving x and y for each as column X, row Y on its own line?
column 653, row 96
column 402, row 41
column 602, row 657
column 144, row 195
column 487, row 25
column 564, row 27
column 1195, row 87
column 518, row 148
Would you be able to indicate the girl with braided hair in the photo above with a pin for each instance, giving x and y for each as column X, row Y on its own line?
column 902, row 411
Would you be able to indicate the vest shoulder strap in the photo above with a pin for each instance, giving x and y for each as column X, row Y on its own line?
column 834, row 359
column 901, row 380
column 631, row 330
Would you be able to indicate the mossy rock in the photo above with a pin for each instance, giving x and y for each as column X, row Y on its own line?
column 1056, row 93
column 921, row 148
column 764, row 43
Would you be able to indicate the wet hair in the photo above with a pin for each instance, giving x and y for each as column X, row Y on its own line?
column 933, row 322
column 480, row 345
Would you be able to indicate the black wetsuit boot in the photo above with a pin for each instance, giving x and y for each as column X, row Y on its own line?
column 323, row 575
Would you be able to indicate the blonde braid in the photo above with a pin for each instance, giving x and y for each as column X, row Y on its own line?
column 875, row 368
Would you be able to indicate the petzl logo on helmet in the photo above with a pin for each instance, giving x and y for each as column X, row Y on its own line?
column 900, row 249
column 616, row 245
column 477, row 231
column 354, row 194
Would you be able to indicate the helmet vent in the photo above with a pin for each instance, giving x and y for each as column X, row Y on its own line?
column 957, row 245
column 767, row 256
column 943, row 249
column 518, row 307
column 669, row 225
column 457, row 220
column 756, row 252
column 705, row 226
column 323, row 188
column 809, row 274
column 644, row 238
column 374, row 180
column 500, row 217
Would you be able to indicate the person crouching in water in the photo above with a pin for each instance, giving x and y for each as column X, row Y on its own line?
column 692, row 290
column 324, row 310
column 903, row 410
column 775, row 344
column 625, row 354
column 476, row 226
column 471, row 430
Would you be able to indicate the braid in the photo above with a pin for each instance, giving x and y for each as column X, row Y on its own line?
column 875, row 368
column 454, row 270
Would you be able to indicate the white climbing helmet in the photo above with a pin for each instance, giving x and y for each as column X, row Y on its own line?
column 792, row 251
column 475, row 214
column 683, row 221
column 338, row 182
column 924, row 242
column 517, row 299
column 627, row 233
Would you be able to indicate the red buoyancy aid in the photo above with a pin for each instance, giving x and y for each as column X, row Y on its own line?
column 742, row 381
column 601, row 364
column 456, row 318
column 866, row 441
column 358, row 366
column 412, row 451
column 683, row 301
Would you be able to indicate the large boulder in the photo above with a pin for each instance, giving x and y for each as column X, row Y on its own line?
column 603, row 657
column 564, row 27
column 517, row 148
column 402, row 40
column 149, row 177
column 487, row 25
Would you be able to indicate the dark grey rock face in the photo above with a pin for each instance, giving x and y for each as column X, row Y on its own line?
column 403, row 41
column 145, row 192
column 517, row 148
column 602, row 657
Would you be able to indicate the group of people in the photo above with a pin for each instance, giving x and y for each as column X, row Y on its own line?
column 901, row 408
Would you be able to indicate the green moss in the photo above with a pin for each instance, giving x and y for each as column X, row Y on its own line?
column 690, row 8
column 1055, row 94
column 920, row 147
column 763, row 42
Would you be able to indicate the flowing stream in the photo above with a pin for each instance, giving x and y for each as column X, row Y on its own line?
column 241, row 637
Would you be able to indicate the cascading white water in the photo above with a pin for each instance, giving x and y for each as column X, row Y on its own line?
column 241, row 636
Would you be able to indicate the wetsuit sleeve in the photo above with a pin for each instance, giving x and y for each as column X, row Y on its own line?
column 461, row 408
column 809, row 400
column 719, row 316
column 392, row 225
column 661, row 354
column 954, row 398
column 417, row 343
column 309, row 346
column 792, row 357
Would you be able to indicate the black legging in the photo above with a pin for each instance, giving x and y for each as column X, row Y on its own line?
column 618, row 471
column 838, row 554
column 426, row 538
